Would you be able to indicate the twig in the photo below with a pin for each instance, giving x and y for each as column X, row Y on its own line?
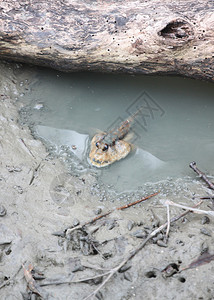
column 195, row 210
column 23, row 142
column 168, row 221
column 34, row 173
column 74, row 281
column 136, row 202
column 140, row 247
column 201, row 174
column 69, row 230
column 93, row 267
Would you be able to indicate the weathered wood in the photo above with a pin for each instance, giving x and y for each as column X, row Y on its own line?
column 149, row 37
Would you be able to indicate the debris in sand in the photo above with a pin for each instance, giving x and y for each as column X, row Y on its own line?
column 2, row 211
column 124, row 265
column 170, row 270
column 32, row 284
column 134, row 252
column 13, row 169
column 10, row 279
column 26, row 148
column 194, row 210
column 206, row 231
column 203, row 258
column 80, row 226
column 201, row 174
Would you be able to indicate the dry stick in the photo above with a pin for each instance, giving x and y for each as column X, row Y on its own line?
column 201, row 174
column 23, row 142
column 34, row 173
column 136, row 202
column 195, row 210
column 140, row 247
column 207, row 198
column 74, row 281
column 168, row 221
column 68, row 231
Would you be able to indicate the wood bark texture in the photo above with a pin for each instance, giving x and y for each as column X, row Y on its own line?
column 140, row 37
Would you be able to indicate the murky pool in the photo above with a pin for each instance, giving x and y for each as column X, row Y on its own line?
column 175, row 126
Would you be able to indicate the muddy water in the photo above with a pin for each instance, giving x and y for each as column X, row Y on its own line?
column 174, row 127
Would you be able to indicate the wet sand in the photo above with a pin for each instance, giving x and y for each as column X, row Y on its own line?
column 41, row 198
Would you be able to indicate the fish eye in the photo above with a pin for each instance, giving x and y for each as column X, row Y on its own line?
column 105, row 147
column 97, row 144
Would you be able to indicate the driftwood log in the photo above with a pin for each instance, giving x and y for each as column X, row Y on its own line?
column 144, row 37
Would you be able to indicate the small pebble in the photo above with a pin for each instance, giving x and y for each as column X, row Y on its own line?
column 13, row 169
column 130, row 225
column 179, row 242
column 74, row 147
column 158, row 237
column 77, row 268
column 139, row 223
column 155, row 223
column 75, row 265
column 124, row 268
column 147, row 230
column 38, row 106
column 204, row 247
column 140, row 234
column 2, row 211
column 76, row 222
column 8, row 250
column 97, row 280
column 191, row 235
column 99, row 295
column 59, row 233
column 206, row 231
column 160, row 243
column 98, row 211
column 38, row 277
column 128, row 276
column 18, row 188
column 111, row 226
column 205, row 220
column 107, row 255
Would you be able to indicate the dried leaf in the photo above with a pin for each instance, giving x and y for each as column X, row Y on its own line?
column 204, row 258
column 32, row 284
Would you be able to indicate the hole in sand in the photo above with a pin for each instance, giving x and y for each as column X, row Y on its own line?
column 150, row 274
column 182, row 279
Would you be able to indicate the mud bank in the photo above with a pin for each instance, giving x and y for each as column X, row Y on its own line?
column 41, row 198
